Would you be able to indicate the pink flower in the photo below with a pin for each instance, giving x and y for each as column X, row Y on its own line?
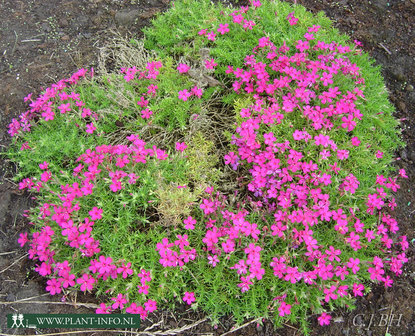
column 223, row 28
column 197, row 92
column 292, row 19
column 353, row 264
column 150, row 305
column 189, row 297
column 48, row 115
column 119, row 301
column 358, row 289
column 95, row 213
column 125, row 270
column 184, row 95
column 90, row 128
column 355, row 141
column 284, row 309
column 249, row 25
column 142, row 102
column 210, row 64
column 190, row 223
column 53, row 286
column 22, row 239
column 211, row 36
column 342, row 154
column 43, row 165
column 213, row 260
column 379, row 154
column 181, row 146
column 146, row 113
column 324, row 319
column 63, row 108
column 402, row 173
column 103, row 309
column 183, row 68
column 313, row 29
column 86, row 282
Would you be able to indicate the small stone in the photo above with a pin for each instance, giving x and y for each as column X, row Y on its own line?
column 46, row 27
column 97, row 19
column 126, row 17
column 398, row 74
column 63, row 22
column 11, row 297
column 149, row 13
column 401, row 106
column 65, row 38
column 410, row 88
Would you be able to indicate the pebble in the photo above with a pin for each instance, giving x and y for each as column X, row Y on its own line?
column 126, row 17
column 401, row 106
column 11, row 297
column 63, row 22
column 410, row 88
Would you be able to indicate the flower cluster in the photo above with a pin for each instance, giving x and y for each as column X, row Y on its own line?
column 55, row 100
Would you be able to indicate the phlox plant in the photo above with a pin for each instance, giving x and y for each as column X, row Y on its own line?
column 308, row 225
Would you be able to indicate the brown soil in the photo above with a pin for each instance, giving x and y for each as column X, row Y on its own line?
column 44, row 41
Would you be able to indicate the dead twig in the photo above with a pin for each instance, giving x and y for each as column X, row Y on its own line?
column 87, row 305
column 15, row 43
column 5, row 253
column 23, row 256
column 384, row 48
column 242, row 326
column 33, row 40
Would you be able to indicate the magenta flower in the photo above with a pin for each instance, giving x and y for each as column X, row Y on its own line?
column 181, row 146
column 119, row 301
column 197, row 92
column 95, row 213
column 189, row 297
column 284, row 309
column 125, row 270
column 189, row 223
column 86, row 281
column 90, row 128
column 213, row 260
column 150, row 306
column 211, row 36
column 184, row 95
column 210, row 63
column 183, row 68
column 146, row 113
column 142, row 102
column 53, row 286
column 22, row 239
column 63, row 108
column 103, row 309
column 223, row 28
column 324, row 319
column 43, row 165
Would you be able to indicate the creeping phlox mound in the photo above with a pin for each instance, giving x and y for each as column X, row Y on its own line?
column 307, row 224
